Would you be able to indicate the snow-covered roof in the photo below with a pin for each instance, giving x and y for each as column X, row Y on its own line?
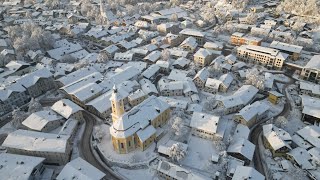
column 101, row 103
column 68, row 128
column 206, row 122
column 138, row 117
column 182, row 62
column 148, row 87
column 18, row 167
column 243, row 172
column 32, row 78
column 165, row 148
column 66, row 108
column 286, row 47
column 178, row 172
column 153, row 56
column 36, row 141
column 77, row 75
column 86, row 92
column 242, row 146
column 203, row 74
column 213, row 45
column 38, row 120
column 190, row 41
column 58, row 53
column 242, row 96
column 80, row 169
column 302, row 158
column 178, row 75
column 314, row 63
column 241, row 131
column 192, row 32
column 213, row 83
column 310, row 134
column 314, row 88
column 273, row 53
column 203, row 53
column 311, row 106
column 175, row 103
column 250, row 111
column 151, row 71
column 146, row 133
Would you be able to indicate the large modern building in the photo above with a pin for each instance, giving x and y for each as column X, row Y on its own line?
column 311, row 72
column 136, row 128
column 271, row 58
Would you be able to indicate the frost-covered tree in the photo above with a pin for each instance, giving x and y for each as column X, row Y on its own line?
column 178, row 126
column 165, row 55
column 99, row 133
column 252, row 18
column 18, row 116
column 177, row 152
column 34, row 106
column 210, row 104
column 29, row 36
column 102, row 58
column 174, row 17
column 254, row 78
column 220, row 145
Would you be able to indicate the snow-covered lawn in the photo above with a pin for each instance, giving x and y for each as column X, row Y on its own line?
column 199, row 155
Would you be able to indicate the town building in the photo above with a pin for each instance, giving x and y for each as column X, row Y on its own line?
column 241, row 149
column 274, row 97
column 169, row 171
column 190, row 44
column 137, row 97
column 203, row 57
column 276, row 140
column 68, row 109
column 239, row 39
column 307, row 137
column 309, row 89
column 204, row 125
column 252, row 114
column 301, row 158
column 198, row 35
column 271, row 58
column 293, row 51
column 135, row 129
column 311, row 71
column 201, row 77
column 21, row 167
column 56, row 149
column 80, row 169
column 43, row 121
column 238, row 100
column 244, row 172
column 310, row 109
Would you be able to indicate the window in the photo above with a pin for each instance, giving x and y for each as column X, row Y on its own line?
column 122, row 146
column 129, row 143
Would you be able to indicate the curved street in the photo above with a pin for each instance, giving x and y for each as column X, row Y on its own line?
column 256, row 131
column 86, row 150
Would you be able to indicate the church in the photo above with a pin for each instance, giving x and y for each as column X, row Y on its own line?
column 136, row 129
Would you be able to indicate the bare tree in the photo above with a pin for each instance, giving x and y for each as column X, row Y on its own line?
column 165, row 54
column 18, row 117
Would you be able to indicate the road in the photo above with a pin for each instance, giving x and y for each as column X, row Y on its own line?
column 86, row 150
column 256, row 131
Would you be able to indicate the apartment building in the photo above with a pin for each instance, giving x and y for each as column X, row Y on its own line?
column 311, row 72
column 239, row 39
column 269, row 57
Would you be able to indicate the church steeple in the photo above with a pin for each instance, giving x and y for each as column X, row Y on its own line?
column 117, row 104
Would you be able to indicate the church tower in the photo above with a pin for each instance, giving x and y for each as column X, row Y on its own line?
column 117, row 104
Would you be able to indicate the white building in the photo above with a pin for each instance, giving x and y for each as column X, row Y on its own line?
column 269, row 57
column 19, row 167
column 54, row 148
column 310, row 89
column 252, row 113
column 43, row 121
column 204, row 125
column 238, row 100
column 80, row 169
column 311, row 71
column 310, row 109
column 241, row 149
column 68, row 109
column 169, row 171
column 244, row 172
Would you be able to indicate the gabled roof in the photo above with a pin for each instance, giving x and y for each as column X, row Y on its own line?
column 66, row 108
column 243, row 147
